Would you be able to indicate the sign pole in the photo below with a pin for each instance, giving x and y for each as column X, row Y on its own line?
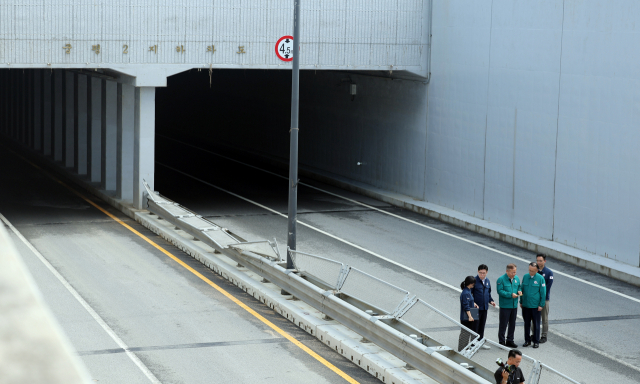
column 293, row 146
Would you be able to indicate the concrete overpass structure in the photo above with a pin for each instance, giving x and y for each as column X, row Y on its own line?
column 85, row 92
column 434, row 118
column 502, row 117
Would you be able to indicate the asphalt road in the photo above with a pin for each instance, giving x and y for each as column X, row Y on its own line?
column 594, row 330
column 177, row 326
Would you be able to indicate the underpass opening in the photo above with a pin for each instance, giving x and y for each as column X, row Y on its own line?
column 368, row 127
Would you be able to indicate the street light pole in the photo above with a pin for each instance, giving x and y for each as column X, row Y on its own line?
column 293, row 146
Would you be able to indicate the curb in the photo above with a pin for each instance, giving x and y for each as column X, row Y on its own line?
column 368, row 356
column 608, row 267
column 590, row 261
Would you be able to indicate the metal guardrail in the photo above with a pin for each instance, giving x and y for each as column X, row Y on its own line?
column 419, row 315
column 389, row 316
column 548, row 375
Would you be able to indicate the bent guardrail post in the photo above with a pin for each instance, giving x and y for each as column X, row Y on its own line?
column 428, row 360
column 390, row 331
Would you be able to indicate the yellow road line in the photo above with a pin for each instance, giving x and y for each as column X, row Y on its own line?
column 283, row 333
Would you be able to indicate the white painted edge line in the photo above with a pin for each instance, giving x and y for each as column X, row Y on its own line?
column 604, row 354
column 316, row 229
column 410, row 221
column 84, row 304
column 267, row 296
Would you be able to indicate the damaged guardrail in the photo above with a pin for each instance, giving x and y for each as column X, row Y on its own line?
column 389, row 316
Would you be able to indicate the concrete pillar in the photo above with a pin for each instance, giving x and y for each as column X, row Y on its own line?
column 109, row 134
column 3, row 101
column 143, row 142
column 7, row 102
column 29, row 93
column 46, row 112
column 126, row 117
column 57, row 114
column 69, row 119
column 16, row 104
column 6, row 91
column 12, row 104
column 37, row 110
column 17, row 134
column 94, row 130
column 23, row 110
column 80, row 116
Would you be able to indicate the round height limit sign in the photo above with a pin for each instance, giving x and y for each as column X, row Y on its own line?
column 284, row 48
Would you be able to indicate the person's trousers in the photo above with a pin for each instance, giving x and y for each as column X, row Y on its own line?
column 507, row 320
column 531, row 315
column 545, row 320
column 481, row 323
column 466, row 336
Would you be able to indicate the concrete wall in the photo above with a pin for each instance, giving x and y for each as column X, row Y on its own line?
column 382, row 127
column 530, row 120
column 120, row 34
column 534, row 115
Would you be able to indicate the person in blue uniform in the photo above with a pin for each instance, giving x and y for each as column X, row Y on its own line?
column 466, row 303
column 482, row 297
column 547, row 274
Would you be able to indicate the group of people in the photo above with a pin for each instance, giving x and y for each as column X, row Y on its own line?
column 531, row 294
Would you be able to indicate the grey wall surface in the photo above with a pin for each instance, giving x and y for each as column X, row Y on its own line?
column 530, row 120
column 533, row 118
column 382, row 127
column 337, row 34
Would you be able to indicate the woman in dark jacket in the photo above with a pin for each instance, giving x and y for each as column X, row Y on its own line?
column 466, row 303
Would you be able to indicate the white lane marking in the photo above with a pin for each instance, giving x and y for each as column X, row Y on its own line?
column 604, row 354
column 416, row 223
column 84, row 304
column 314, row 228
column 598, row 351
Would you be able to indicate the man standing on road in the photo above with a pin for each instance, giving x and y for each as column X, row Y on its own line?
column 508, row 290
column 534, row 292
column 482, row 297
column 547, row 274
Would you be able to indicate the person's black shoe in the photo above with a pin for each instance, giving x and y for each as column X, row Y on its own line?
column 543, row 340
column 536, row 345
column 501, row 343
column 526, row 344
column 511, row 344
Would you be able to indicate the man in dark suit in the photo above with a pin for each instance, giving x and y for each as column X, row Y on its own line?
column 482, row 297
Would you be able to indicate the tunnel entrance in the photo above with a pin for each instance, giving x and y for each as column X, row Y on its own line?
column 368, row 127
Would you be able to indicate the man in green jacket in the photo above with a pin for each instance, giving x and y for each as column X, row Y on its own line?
column 508, row 290
column 534, row 294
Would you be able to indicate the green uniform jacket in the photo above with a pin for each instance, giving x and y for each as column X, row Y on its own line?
column 505, row 289
column 534, row 291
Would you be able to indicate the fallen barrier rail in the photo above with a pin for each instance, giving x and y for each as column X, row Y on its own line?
column 389, row 316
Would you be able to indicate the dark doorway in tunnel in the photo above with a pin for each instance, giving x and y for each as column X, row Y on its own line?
column 226, row 107
column 376, row 136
